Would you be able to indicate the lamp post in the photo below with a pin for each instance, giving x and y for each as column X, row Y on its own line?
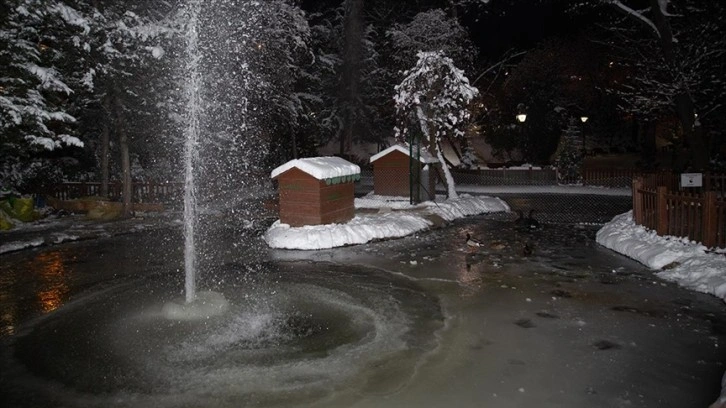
column 521, row 117
column 521, row 113
column 584, row 119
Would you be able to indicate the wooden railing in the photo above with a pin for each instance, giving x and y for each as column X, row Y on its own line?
column 142, row 192
column 711, row 182
column 699, row 216
column 608, row 177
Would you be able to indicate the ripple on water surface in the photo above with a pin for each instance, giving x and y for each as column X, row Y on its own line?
column 294, row 333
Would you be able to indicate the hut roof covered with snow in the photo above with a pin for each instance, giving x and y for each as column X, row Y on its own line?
column 332, row 170
column 425, row 156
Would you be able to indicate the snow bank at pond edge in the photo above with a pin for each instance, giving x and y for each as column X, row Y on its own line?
column 368, row 227
column 679, row 260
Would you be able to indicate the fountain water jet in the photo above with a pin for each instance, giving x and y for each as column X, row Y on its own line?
column 204, row 304
column 191, row 154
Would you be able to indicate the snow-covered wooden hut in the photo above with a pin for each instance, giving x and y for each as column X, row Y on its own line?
column 392, row 171
column 316, row 190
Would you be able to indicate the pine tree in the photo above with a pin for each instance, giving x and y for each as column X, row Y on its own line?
column 36, row 94
column 568, row 156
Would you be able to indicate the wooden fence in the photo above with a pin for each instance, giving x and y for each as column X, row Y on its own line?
column 142, row 192
column 711, row 182
column 611, row 177
column 608, row 177
column 699, row 216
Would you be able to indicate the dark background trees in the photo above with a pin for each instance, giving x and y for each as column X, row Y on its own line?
column 91, row 79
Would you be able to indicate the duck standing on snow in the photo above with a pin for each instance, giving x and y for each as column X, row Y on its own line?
column 472, row 243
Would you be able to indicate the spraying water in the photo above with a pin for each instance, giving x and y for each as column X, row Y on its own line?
column 191, row 154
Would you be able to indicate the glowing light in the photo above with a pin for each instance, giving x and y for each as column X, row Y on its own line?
column 52, row 272
column 584, row 119
column 521, row 117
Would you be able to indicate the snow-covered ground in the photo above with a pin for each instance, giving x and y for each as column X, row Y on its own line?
column 397, row 218
column 19, row 245
column 544, row 189
column 56, row 230
column 386, row 223
column 676, row 259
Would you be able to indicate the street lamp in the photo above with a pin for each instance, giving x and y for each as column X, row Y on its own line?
column 584, row 119
column 521, row 117
column 521, row 113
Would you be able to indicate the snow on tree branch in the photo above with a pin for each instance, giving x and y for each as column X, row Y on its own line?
column 636, row 14
column 433, row 98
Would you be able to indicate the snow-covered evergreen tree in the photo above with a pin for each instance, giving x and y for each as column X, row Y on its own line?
column 433, row 99
column 284, row 68
column 36, row 95
column 61, row 57
column 469, row 159
column 568, row 156
column 352, row 107
column 431, row 30
column 34, row 98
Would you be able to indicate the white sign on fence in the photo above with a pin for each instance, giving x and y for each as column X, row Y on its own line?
column 691, row 179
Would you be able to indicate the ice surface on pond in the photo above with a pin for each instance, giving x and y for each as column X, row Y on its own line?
column 571, row 324
column 317, row 330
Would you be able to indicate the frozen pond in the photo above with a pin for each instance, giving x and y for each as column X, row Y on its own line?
column 419, row 321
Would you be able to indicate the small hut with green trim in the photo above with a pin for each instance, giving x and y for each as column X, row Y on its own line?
column 316, row 190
